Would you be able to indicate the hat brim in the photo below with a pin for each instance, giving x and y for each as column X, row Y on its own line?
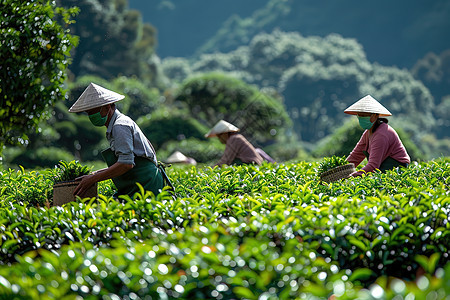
column 367, row 104
column 211, row 134
column 95, row 96
column 356, row 113
column 89, row 107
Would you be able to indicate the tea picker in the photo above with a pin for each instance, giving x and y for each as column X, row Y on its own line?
column 238, row 150
column 131, row 157
column 379, row 143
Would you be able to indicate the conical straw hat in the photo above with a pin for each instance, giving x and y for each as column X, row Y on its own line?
column 367, row 104
column 95, row 96
column 177, row 157
column 221, row 127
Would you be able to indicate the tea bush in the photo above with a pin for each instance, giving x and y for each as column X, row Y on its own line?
column 202, row 263
column 19, row 186
column 270, row 231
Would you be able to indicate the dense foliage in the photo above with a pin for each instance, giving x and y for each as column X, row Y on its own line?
column 235, row 232
column 164, row 125
column 214, row 96
column 113, row 41
column 434, row 71
column 35, row 50
column 318, row 78
column 233, row 23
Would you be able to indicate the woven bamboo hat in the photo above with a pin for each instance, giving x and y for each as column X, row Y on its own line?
column 177, row 157
column 221, row 127
column 367, row 104
column 95, row 96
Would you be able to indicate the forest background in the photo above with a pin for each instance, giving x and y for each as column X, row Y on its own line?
column 281, row 70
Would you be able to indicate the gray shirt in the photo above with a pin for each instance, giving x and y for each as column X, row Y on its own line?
column 127, row 140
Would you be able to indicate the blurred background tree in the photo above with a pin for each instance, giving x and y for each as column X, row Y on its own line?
column 35, row 51
column 233, row 23
column 434, row 71
column 171, row 124
column 113, row 41
column 213, row 96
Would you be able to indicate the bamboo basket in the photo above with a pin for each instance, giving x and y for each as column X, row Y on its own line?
column 63, row 192
column 337, row 173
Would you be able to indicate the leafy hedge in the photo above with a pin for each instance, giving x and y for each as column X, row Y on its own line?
column 237, row 232
column 202, row 263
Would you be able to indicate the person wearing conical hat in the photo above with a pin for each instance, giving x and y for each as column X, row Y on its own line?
column 238, row 149
column 179, row 158
column 379, row 143
column 131, row 158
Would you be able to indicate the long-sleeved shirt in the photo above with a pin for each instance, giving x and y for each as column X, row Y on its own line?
column 381, row 144
column 238, row 147
column 127, row 140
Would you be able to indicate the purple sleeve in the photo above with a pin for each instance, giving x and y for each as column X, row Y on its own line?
column 357, row 155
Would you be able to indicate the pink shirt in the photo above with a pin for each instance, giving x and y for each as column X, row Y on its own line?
column 237, row 146
column 384, row 142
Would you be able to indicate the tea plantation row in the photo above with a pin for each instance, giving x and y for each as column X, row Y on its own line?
column 267, row 232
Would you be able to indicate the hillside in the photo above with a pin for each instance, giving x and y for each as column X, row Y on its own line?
column 318, row 78
column 392, row 33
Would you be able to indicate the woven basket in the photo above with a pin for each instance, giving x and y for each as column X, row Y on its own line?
column 337, row 173
column 63, row 192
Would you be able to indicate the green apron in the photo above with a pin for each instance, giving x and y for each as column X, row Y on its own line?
column 145, row 172
column 388, row 164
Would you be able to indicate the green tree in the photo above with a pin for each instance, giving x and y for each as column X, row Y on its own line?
column 64, row 136
column 140, row 99
column 170, row 124
column 113, row 41
column 358, row 19
column 214, row 96
column 35, row 51
column 434, row 71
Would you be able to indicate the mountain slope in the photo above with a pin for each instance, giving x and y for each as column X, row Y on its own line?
column 391, row 32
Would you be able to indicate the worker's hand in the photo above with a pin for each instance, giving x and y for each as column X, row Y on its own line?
column 356, row 174
column 86, row 182
column 351, row 175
